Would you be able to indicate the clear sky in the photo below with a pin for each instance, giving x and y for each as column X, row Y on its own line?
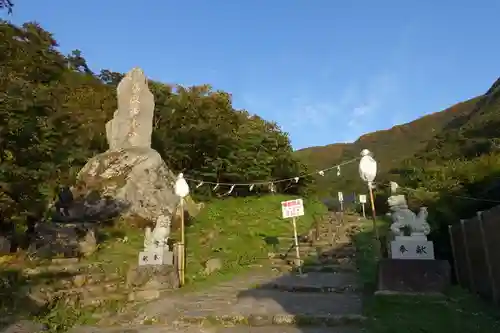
column 325, row 70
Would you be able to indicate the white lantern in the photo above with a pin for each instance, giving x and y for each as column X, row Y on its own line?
column 181, row 186
column 367, row 167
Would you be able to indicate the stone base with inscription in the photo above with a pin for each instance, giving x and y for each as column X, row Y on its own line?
column 156, row 257
column 413, row 276
column 154, row 274
column 412, row 247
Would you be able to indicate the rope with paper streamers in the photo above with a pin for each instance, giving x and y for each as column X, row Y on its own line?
column 270, row 183
column 409, row 189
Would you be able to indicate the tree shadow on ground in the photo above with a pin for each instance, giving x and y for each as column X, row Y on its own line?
column 19, row 294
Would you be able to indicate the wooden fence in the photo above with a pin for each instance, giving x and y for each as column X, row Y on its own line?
column 476, row 251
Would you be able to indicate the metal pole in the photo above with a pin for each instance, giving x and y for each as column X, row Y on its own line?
column 297, row 250
column 487, row 258
column 374, row 218
column 363, row 207
column 342, row 212
column 182, row 259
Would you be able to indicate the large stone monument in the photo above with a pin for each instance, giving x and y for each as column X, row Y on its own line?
column 411, row 267
column 130, row 171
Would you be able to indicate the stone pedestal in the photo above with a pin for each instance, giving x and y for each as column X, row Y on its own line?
column 149, row 281
column 413, row 276
column 156, row 257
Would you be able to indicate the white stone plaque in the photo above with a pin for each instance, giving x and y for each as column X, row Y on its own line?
column 407, row 248
column 144, row 258
column 157, row 257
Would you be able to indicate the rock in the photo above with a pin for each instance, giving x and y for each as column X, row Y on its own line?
column 137, row 177
column 63, row 240
column 79, row 280
column 212, row 265
column 5, row 245
column 25, row 326
column 88, row 244
column 153, row 277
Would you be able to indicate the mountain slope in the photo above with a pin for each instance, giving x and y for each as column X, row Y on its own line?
column 391, row 147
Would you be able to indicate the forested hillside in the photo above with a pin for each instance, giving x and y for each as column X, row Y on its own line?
column 53, row 111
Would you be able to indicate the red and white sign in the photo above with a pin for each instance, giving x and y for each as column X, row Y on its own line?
column 292, row 208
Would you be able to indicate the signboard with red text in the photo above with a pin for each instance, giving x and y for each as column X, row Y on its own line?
column 292, row 208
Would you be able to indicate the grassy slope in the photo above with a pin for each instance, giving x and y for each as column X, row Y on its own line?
column 457, row 312
column 234, row 230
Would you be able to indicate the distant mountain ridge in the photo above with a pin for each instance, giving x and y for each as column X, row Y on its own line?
column 474, row 124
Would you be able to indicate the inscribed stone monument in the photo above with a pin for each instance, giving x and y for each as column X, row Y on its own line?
column 132, row 123
column 130, row 171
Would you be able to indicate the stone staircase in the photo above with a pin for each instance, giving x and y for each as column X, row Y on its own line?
column 325, row 298
column 71, row 281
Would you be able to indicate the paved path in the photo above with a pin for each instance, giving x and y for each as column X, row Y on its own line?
column 264, row 300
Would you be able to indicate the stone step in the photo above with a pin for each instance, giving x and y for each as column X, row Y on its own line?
column 344, row 249
column 277, row 320
column 313, row 282
column 266, row 305
column 254, row 307
column 99, row 300
column 328, row 261
column 187, row 328
column 285, row 268
column 313, row 261
column 287, row 329
column 69, row 269
column 322, row 251
column 329, row 268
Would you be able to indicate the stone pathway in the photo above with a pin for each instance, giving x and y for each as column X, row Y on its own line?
column 264, row 300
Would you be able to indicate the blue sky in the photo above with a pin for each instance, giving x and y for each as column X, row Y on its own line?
column 326, row 71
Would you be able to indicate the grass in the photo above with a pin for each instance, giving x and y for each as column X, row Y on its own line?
column 237, row 231
column 458, row 311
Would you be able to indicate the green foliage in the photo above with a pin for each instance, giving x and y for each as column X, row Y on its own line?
column 6, row 4
column 53, row 113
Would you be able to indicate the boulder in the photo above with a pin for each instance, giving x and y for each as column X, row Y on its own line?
column 153, row 277
column 137, row 177
column 63, row 240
